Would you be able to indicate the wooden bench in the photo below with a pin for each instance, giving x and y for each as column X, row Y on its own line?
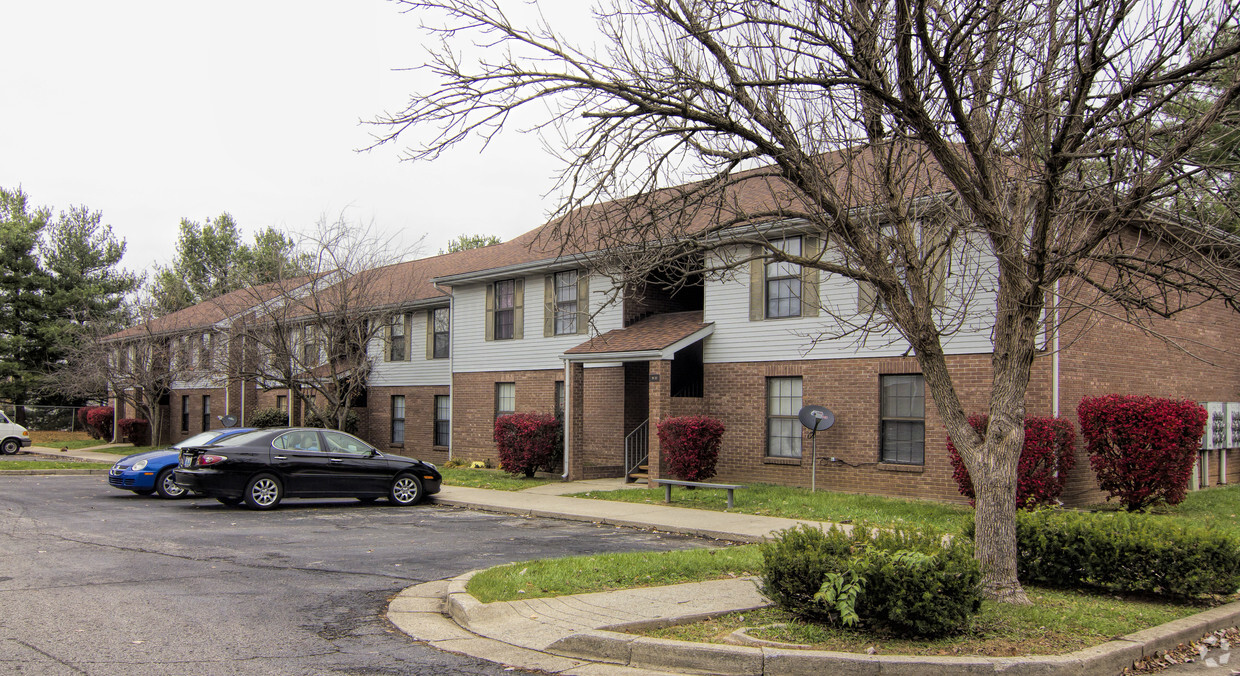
column 668, row 483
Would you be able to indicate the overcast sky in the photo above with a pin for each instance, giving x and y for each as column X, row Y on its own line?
column 150, row 111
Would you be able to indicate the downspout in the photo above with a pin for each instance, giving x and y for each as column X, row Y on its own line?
column 451, row 360
column 568, row 404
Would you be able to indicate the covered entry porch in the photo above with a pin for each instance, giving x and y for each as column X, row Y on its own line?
column 620, row 384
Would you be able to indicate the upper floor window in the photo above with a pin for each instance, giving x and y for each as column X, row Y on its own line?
column 505, row 306
column 397, row 343
column 440, row 326
column 205, row 353
column 783, row 282
column 309, row 347
column 902, row 404
column 565, row 302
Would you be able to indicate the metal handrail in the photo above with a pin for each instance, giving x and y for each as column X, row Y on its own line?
column 637, row 447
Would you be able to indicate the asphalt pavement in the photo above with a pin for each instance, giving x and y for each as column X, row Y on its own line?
column 590, row 633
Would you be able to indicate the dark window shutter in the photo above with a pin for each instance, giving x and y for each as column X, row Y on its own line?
column 489, row 331
column 583, row 302
column 757, row 287
column 518, row 309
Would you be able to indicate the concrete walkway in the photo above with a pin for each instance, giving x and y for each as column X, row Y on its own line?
column 586, row 634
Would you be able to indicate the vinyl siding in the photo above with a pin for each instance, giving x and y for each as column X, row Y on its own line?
column 417, row 370
column 472, row 353
column 737, row 339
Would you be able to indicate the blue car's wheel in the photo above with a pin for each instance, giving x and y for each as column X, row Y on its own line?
column 167, row 488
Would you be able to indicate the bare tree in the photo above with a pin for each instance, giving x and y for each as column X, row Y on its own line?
column 136, row 366
column 312, row 336
column 899, row 133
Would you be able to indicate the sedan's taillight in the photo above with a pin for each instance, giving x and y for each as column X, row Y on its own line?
column 210, row 459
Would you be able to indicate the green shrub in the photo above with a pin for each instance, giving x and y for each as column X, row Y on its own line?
column 1131, row 553
column 269, row 417
column 907, row 582
column 795, row 564
column 918, row 585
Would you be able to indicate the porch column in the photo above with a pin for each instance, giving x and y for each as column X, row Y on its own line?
column 576, row 420
column 660, row 408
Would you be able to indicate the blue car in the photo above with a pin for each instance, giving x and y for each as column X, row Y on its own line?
column 151, row 472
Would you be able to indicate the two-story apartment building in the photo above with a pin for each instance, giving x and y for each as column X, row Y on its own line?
column 527, row 326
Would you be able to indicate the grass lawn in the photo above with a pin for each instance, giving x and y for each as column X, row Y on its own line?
column 50, row 464
column 127, row 450
column 1057, row 622
column 1214, row 507
column 583, row 574
column 71, row 440
column 798, row 503
column 494, row 479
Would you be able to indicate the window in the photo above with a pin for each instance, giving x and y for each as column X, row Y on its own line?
column 559, row 400
column 341, row 443
column 443, row 419
column 783, row 282
column 565, row 302
column 505, row 304
column 398, row 420
column 185, row 413
column 505, row 398
column 397, row 344
column 903, row 413
column 205, row 353
column 282, row 403
column 206, row 412
column 309, row 347
column 783, row 429
column 300, row 440
column 440, row 326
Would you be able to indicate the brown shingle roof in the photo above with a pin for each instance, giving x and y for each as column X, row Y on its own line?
column 209, row 312
column 653, row 333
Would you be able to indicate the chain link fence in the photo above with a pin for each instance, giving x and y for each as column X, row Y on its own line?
column 45, row 418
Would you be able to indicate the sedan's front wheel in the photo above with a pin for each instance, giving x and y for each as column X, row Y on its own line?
column 406, row 490
column 167, row 488
column 263, row 492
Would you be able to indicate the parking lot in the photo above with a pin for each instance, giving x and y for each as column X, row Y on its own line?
column 94, row 580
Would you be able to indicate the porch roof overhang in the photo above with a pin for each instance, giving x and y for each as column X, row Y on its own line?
column 652, row 339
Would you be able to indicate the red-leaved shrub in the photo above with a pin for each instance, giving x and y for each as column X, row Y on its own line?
column 527, row 442
column 689, row 446
column 1142, row 448
column 1049, row 452
column 134, row 430
column 98, row 421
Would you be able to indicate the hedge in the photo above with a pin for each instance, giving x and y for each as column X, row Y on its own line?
column 689, row 446
column 1049, row 452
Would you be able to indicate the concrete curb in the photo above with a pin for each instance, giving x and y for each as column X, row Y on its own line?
column 611, row 649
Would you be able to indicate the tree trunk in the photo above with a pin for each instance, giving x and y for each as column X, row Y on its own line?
column 995, row 515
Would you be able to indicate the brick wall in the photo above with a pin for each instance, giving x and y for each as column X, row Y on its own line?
column 376, row 426
column 175, row 431
column 473, row 407
column 1105, row 356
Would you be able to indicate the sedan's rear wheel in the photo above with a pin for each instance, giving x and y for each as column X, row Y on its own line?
column 263, row 492
column 167, row 488
column 406, row 490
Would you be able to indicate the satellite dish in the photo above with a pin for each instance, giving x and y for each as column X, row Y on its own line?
column 228, row 420
column 816, row 418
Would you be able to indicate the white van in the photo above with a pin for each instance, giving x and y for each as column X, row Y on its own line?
column 12, row 435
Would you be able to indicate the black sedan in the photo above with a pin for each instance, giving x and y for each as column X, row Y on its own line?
column 263, row 467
